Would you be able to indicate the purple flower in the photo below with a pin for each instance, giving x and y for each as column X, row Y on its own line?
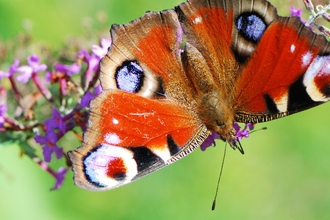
column 12, row 70
column 3, row 74
column 97, row 90
column 210, row 141
column 3, row 110
column 59, row 176
column 92, row 63
column 244, row 133
column 297, row 13
column 53, row 124
column 100, row 52
column 69, row 70
column 85, row 99
column 56, row 122
column 49, row 145
column 27, row 71
column 49, row 77
column 64, row 86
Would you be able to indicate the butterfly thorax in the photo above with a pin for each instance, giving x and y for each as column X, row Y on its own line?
column 216, row 114
column 213, row 106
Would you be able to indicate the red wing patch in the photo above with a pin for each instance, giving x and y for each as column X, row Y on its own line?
column 143, row 122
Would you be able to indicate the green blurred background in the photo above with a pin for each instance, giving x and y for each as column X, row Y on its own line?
column 285, row 173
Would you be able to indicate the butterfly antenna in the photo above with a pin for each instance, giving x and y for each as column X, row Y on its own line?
column 260, row 129
column 237, row 144
column 218, row 184
column 239, row 147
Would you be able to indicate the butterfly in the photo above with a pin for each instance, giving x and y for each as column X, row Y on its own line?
column 171, row 78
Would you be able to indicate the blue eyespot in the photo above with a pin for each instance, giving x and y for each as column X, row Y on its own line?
column 129, row 77
column 251, row 26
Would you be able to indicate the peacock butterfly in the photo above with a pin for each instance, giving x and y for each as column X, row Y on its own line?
column 171, row 78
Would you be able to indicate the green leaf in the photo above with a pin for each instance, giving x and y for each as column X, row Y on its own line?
column 17, row 138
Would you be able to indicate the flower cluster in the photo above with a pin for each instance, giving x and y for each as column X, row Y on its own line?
column 316, row 12
column 240, row 134
column 54, row 86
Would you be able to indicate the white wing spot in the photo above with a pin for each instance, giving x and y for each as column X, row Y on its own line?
column 115, row 121
column 112, row 138
column 197, row 20
column 292, row 48
column 306, row 58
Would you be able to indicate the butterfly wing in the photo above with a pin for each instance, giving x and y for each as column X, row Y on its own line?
column 288, row 72
column 144, row 119
column 266, row 66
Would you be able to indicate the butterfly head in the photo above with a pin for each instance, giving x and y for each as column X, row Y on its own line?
column 216, row 114
column 237, row 134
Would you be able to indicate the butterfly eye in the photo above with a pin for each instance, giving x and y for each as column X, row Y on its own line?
column 221, row 124
column 129, row 77
column 251, row 26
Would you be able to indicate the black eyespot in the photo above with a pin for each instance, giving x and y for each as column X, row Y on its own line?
column 129, row 77
column 251, row 26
